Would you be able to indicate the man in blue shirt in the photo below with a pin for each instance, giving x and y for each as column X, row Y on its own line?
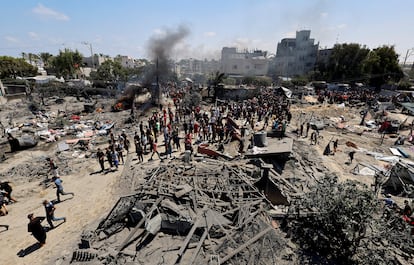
column 50, row 213
column 59, row 188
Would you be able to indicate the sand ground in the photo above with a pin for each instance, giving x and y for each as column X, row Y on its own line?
column 94, row 197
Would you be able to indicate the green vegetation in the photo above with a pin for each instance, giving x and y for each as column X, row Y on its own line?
column 13, row 67
column 66, row 63
column 110, row 71
column 345, row 223
column 356, row 63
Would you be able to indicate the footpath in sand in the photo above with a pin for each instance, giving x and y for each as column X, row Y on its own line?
column 95, row 194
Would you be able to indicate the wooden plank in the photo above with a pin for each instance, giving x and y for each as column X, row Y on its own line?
column 189, row 235
column 203, row 237
column 245, row 245
column 137, row 227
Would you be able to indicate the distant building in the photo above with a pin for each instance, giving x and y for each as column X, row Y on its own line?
column 244, row 63
column 96, row 61
column 191, row 67
column 129, row 62
column 323, row 56
column 296, row 56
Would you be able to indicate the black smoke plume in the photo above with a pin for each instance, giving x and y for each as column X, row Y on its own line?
column 160, row 49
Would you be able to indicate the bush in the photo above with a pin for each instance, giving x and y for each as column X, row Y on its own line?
column 343, row 223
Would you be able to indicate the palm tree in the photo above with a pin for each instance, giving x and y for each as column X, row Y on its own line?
column 33, row 57
column 45, row 56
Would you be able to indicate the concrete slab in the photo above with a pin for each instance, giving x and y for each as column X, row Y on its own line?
column 275, row 147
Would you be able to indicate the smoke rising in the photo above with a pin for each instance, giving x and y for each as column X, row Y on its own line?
column 162, row 45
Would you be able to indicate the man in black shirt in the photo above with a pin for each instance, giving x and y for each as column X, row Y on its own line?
column 407, row 211
column 101, row 159
column 36, row 228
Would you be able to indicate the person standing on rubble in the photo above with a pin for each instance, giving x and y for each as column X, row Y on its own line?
column 59, row 188
column 101, row 159
column 50, row 213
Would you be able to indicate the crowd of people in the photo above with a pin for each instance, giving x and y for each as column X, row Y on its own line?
column 175, row 126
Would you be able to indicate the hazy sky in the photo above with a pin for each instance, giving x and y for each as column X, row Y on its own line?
column 125, row 26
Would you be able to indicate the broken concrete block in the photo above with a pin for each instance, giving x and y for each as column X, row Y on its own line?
column 183, row 189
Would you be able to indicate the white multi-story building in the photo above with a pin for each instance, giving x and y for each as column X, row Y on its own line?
column 95, row 61
column 245, row 63
column 192, row 67
column 129, row 62
column 296, row 56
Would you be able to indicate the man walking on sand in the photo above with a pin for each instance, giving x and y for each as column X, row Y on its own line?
column 59, row 188
column 35, row 227
column 50, row 213
column 101, row 159
column 154, row 151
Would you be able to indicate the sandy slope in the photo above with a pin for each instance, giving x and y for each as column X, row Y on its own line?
column 94, row 196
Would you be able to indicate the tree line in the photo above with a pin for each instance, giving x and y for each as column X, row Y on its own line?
column 67, row 64
column 356, row 63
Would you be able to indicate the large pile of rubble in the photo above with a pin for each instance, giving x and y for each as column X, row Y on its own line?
column 207, row 212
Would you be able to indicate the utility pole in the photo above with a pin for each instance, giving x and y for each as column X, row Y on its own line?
column 92, row 57
column 408, row 54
